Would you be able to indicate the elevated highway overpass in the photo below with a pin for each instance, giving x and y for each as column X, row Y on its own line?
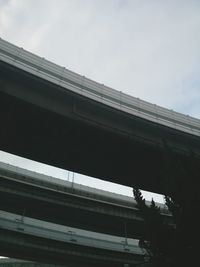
column 50, row 199
column 32, row 239
column 52, row 115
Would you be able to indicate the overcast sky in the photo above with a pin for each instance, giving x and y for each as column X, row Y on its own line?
column 147, row 48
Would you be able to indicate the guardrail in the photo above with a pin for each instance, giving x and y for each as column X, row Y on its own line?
column 69, row 80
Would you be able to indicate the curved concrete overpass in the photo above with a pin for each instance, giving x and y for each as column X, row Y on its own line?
column 55, row 116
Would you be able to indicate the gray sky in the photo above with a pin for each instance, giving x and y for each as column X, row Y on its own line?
column 146, row 48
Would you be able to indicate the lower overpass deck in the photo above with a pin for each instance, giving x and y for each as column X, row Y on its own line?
column 19, row 234
column 54, row 200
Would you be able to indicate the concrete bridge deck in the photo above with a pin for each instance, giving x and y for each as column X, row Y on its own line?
column 74, row 82
column 19, row 234
column 54, row 200
column 52, row 115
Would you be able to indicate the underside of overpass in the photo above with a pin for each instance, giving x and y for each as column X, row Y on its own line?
column 72, row 210
column 45, row 123
column 29, row 247
column 69, row 210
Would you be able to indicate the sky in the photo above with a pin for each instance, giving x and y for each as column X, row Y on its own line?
column 147, row 48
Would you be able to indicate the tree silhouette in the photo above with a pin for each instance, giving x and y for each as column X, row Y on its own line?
column 157, row 234
column 170, row 246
